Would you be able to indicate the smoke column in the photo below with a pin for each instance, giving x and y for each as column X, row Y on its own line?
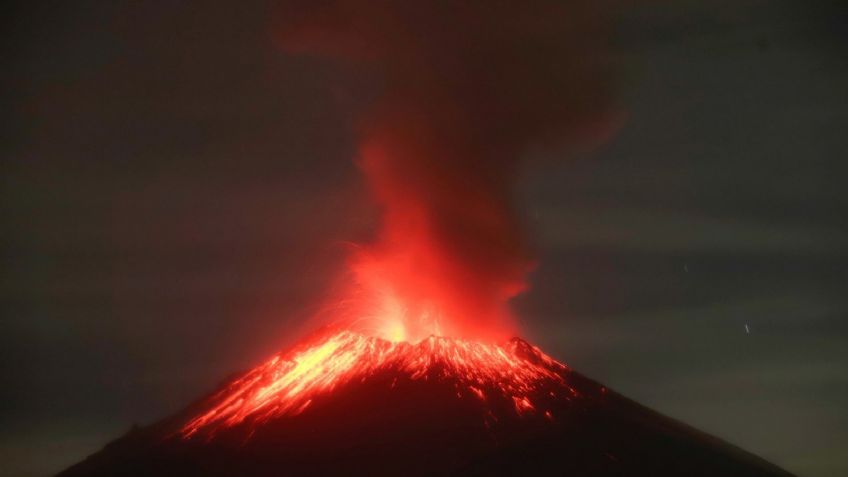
column 466, row 87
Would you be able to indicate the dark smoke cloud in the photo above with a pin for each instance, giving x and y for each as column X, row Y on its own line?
column 465, row 89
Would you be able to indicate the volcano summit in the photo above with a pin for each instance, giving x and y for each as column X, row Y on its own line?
column 343, row 403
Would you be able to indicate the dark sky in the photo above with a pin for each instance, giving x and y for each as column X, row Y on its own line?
column 178, row 196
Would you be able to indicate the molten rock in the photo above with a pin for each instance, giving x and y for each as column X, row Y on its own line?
column 348, row 404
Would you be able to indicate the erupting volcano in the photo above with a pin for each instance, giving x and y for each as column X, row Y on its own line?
column 417, row 372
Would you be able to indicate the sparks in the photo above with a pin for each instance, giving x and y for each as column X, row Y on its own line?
column 287, row 384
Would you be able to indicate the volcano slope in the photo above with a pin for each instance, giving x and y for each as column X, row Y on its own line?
column 346, row 404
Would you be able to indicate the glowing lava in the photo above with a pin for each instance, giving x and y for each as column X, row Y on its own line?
column 288, row 383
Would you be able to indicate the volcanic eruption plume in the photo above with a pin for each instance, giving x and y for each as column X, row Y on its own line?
column 465, row 88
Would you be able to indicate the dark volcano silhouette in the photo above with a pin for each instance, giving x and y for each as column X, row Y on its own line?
column 441, row 407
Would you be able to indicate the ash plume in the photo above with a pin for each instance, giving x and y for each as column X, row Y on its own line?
column 466, row 88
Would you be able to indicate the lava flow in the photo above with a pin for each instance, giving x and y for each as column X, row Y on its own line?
column 346, row 403
column 287, row 384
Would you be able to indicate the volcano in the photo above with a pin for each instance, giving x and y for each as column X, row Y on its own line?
column 344, row 403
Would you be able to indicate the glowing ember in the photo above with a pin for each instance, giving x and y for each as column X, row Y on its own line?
column 287, row 384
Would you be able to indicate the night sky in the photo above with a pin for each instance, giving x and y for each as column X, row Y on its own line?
column 179, row 195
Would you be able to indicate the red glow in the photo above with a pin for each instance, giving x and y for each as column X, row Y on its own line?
column 288, row 383
column 463, row 93
column 448, row 256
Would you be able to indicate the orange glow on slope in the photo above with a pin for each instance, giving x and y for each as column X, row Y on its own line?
column 287, row 384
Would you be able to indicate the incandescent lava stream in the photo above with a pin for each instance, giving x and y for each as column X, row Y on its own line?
column 344, row 403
